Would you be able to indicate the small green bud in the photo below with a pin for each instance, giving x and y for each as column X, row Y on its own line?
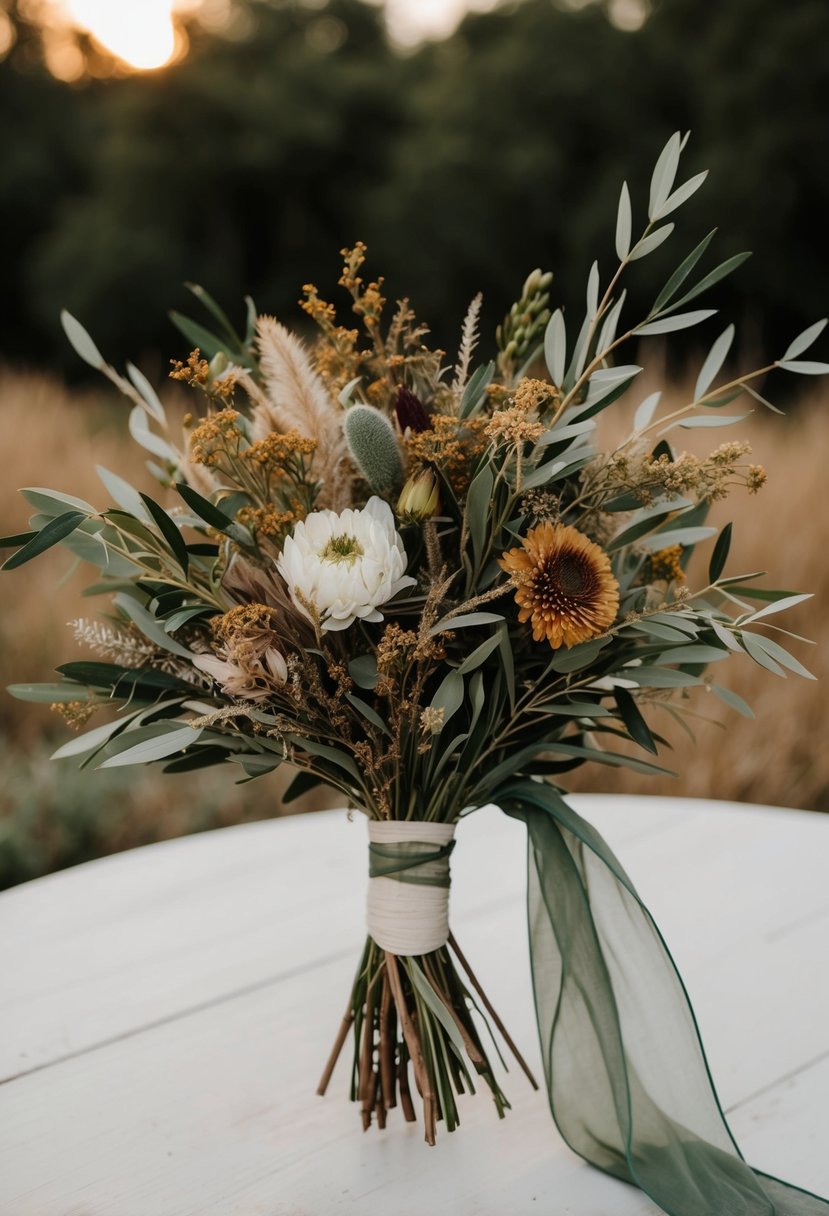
column 532, row 284
column 374, row 448
column 217, row 365
column 419, row 498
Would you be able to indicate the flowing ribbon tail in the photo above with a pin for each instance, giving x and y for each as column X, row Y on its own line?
column 626, row 1074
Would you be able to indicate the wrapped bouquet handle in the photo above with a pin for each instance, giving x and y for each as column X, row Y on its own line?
column 625, row 1070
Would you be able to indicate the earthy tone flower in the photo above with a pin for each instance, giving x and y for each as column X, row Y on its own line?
column 343, row 567
column 248, row 662
column 564, row 585
column 665, row 564
column 452, row 444
column 419, row 498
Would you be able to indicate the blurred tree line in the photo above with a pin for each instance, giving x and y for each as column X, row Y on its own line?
column 299, row 129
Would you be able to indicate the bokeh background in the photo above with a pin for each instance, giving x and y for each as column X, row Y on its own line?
column 241, row 143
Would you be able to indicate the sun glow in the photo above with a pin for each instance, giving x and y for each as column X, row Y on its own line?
column 139, row 32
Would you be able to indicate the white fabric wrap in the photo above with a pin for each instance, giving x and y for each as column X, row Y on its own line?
column 405, row 917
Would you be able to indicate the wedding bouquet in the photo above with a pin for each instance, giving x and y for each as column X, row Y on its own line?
column 421, row 582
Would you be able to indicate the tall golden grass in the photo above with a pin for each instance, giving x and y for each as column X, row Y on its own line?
column 54, row 437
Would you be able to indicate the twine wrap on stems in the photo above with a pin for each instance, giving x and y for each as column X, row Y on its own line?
column 408, row 891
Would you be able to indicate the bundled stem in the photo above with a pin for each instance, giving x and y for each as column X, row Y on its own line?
column 416, row 1010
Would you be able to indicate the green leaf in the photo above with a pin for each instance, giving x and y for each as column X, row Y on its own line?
column 645, row 521
column 15, row 542
column 753, row 644
column 664, row 174
column 479, row 655
column 555, row 347
column 680, row 320
column 804, row 340
column 449, row 695
column 81, row 341
column 608, row 379
column 624, row 224
column 804, row 368
column 677, row 536
column 368, row 713
column 204, row 508
column 576, row 658
column 465, row 621
column 507, row 662
column 333, row 754
column 150, row 626
column 52, row 502
column 731, row 698
column 169, row 531
column 695, row 653
column 302, row 783
column 363, row 671
column 636, row 725
column 475, row 390
column 147, row 393
column 125, row 495
column 720, row 554
column 775, row 653
column 709, row 420
column 682, row 272
column 610, row 324
column 680, row 195
column 50, row 534
column 714, row 276
column 648, row 243
column 197, row 335
column 87, row 742
column 58, row 693
column 110, row 675
column 779, row 605
column 162, row 742
column 657, row 677
column 478, row 507
column 713, row 362
column 217, row 312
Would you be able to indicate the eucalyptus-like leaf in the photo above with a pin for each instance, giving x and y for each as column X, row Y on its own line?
column 805, row 367
column 697, row 652
column 555, row 347
column 707, row 420
column 714, row 276
column 53, row 502
column 680, row 195
column 677, row 536
column 465, row 621
column 607, row 334
column 680, row 320
column 141, row 433
column 163, row 743
column 49, row 694
column 777, row 654
column 149, row 625
column 732, row 699
column 50, row 534
column 122, row 493
column 449, row 695
column 592, row 302
column 475, row 392
column 478, row 508
column 147, row 393
column 781, row 605
column 713, row 362
column 664, row 174
column 607, row 379
column 81, row 341
column 650, row 242
column 624, row 224
column 758, row 397
column 682, row 272
column 720, row 554
column 804, row 340
column 646, row 410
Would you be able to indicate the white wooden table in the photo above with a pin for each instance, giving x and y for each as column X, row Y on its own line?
column 165, row 1015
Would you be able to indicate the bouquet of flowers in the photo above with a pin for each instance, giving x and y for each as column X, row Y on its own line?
column 421, row 582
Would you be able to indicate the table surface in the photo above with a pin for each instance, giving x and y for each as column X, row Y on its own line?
column 166, row 1013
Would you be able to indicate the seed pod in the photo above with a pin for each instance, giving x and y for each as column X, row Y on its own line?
column 374, row 448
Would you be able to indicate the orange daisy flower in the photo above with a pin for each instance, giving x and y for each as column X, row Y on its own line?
column 564, row 585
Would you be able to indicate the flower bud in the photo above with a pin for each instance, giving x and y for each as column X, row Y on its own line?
column 217, row 365
column 411, row 412
column 419, row 498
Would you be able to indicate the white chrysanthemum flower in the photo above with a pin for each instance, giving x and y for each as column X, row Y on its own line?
column 345, row 565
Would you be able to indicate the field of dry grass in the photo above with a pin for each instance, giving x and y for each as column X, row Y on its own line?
column 55, row 438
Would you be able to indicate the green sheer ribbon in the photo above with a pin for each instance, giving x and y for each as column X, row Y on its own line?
column 415, row 861
column 626, row 1074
